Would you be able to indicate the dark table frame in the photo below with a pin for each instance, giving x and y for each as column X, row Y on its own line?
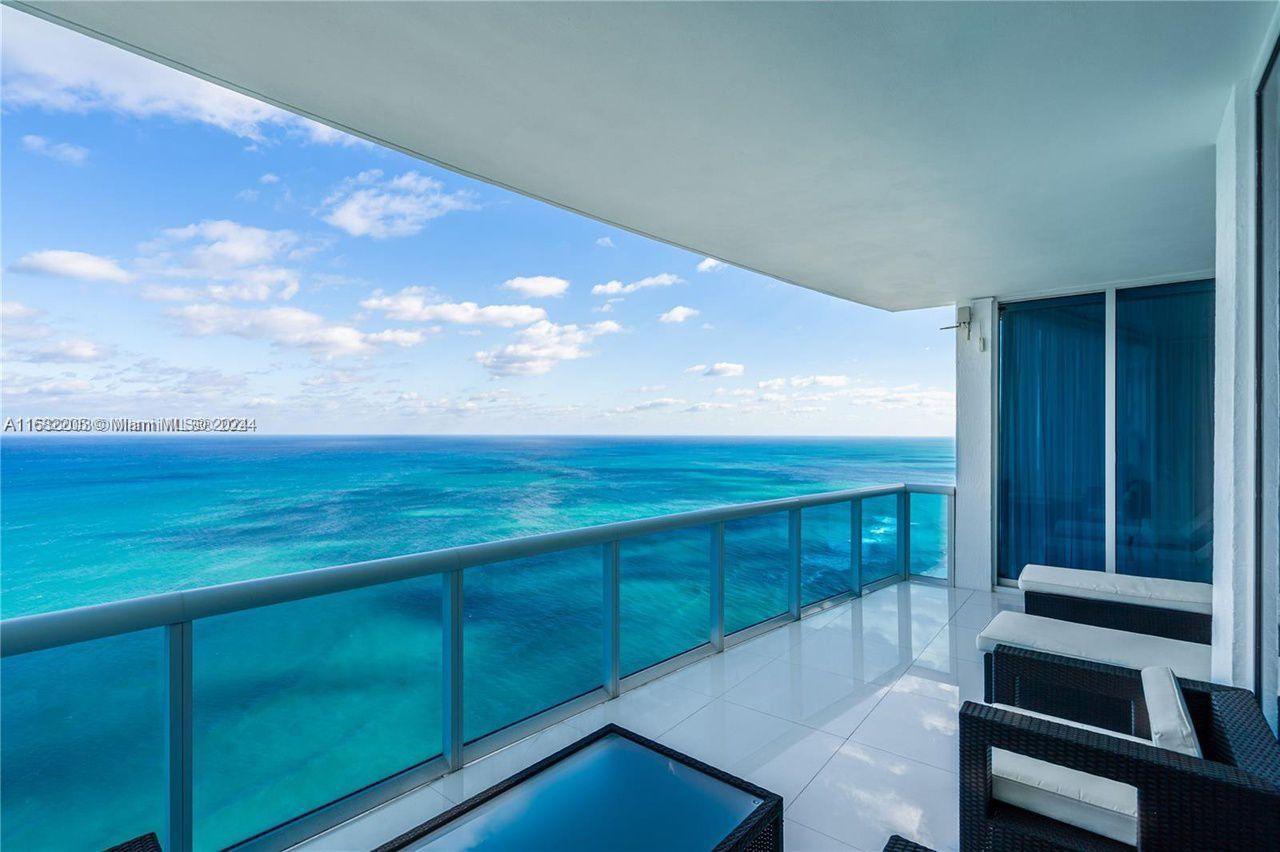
column 761, row 831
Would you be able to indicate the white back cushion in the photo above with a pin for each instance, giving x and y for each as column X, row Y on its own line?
column 1102, row 644
column 1121, row 588
column 1171, row 726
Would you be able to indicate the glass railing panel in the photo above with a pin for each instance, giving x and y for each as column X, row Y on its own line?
column 299, row 704
column 826, row 536
column 665, row 595
column 83, row 762
column 533, row 636
column 756, row 551
column 879, row 538
column 930, row 547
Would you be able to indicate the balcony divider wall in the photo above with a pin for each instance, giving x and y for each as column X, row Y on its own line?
column 454, row 631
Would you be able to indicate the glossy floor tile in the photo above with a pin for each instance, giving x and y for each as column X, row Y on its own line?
column 798, row 838
column 923, row 729
column 863, row 795
column 383, row 823
column 812, row 697
column 650, row 710
column 723, row 733
column 715, row 675
column 849, row 715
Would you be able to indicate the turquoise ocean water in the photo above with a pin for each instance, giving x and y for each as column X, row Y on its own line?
column 300, row 703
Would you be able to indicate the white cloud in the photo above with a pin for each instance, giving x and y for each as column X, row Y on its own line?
column 66, row 351
column 79, row 265
column 396, row 337
column 62, row 151
column 54, row 69
column 613, row 288
column 699, row 407
column 222, row 244
column 238, row 262
column 368, row 206
column 710, row 264
column 53, row 387
column 649, row 405
column 537, row 286
column 679, row 313
column 16, row 310
column 721, row 369
column 605, row 242
column 933, row 400
column 269, row 178
column 541, row 346
column 828, row 381
column 163, row 293
column 284, row 326
column 412, row 304
column 247, row 195
column 819, row 381
column 651, row 388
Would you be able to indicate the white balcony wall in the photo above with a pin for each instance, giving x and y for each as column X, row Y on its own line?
column 1238, row 621
column 975, row 468
column 1234, row 401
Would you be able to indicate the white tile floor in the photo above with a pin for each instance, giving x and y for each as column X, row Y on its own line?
column 849, row 715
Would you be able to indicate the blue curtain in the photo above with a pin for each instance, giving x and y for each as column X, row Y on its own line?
column 1051, row 483
column 1164, row 431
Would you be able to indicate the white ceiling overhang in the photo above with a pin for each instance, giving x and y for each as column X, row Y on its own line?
column 897, row 154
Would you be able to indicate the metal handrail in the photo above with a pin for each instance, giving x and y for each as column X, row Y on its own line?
column 42, row 631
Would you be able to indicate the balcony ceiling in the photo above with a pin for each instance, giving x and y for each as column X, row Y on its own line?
column 899, row 155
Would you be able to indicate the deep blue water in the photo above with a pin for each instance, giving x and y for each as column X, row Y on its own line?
column 300, row 703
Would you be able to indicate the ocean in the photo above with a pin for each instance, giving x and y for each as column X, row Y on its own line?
column 300, row 703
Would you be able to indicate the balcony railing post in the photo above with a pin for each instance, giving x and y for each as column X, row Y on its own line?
column 451, row 668
column 855, row 546
column 951, row 539
column 793, row 563
column 178, row 735
column 904, row 533
column 717, row 586
column 612, row 617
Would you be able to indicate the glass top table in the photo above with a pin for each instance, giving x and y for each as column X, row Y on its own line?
column 611, row 790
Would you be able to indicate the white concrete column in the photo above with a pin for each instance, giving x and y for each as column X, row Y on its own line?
column 975, row 410
column 1234, row 487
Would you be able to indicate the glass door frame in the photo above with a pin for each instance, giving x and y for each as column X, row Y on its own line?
column 1267, row 423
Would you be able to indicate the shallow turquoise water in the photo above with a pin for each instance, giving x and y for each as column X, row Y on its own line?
column 300, row 703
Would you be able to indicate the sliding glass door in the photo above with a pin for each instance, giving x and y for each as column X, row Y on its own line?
column 1105, row 433
column 1164, row 431
column 1051, row 482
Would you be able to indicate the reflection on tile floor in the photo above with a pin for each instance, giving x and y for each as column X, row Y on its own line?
column 849, row 715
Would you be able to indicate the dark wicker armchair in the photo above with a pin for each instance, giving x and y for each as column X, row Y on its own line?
column 1229, row 799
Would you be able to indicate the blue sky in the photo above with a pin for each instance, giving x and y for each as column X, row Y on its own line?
column 174, row 249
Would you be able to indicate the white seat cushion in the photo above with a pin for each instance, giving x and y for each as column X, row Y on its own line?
column 1121, row 588
column 1102, row 644
column 1171, row 726
column 1100, row 805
